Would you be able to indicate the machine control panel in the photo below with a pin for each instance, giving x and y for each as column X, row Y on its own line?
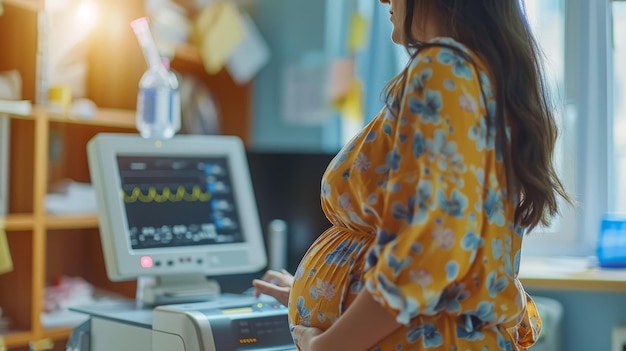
column 242, row 324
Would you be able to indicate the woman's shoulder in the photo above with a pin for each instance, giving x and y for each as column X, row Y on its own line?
column 448, row 59
column 444, row 50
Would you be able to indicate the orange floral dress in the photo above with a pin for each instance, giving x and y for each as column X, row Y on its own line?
column 420, row 218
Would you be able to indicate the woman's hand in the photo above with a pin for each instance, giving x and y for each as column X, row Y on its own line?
column 275, row 284
column 305, row 336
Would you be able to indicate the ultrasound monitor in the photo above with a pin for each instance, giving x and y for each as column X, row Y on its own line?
column 177, row 210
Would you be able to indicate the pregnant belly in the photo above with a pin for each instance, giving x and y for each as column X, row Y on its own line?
column 329, row 277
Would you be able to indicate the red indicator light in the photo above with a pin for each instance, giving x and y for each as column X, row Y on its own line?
column 146, row 261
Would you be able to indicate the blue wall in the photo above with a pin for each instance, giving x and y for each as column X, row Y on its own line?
column 296, row 33
column 314, row 33
column 588, row 317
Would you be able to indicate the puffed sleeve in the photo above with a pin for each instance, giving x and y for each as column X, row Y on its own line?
column 429, row 231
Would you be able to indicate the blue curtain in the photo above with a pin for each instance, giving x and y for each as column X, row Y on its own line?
column 375, row 64
column 378, row 62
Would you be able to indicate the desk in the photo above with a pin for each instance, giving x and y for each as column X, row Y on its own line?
column 570, row 274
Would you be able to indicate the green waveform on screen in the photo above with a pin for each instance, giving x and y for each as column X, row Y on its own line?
column 167, row 195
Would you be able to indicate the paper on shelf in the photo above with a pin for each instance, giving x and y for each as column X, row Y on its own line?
column 16, row 107
column 219, row 31
column 10, row 89
column 6, row 263
column 77, row 198
column 303, row 94
column 250, row 55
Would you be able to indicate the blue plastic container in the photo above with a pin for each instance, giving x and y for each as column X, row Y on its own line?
column 611, row 248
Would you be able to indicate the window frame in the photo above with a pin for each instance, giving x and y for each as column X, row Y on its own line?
column 588, row 93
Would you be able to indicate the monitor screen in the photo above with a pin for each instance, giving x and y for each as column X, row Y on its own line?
column 183, row 206
column 178, row 201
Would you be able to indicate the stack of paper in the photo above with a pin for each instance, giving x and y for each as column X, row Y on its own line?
column 228, row 38
column 15, row 107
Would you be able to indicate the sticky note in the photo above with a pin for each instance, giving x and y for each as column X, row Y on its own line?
column 357, row 34
column 218, row 31
column 6, row 263
column 43, row 344
column 351, row 105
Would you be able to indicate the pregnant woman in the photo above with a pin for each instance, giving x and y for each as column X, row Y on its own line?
column 430, row 202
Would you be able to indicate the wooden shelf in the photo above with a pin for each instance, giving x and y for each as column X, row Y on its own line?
column 72, row 221
column 105, row 117
column 188, row 53
column 15, row 222
column 47, row 147
column 61, row 333
column 35, row 5
column 15, row 339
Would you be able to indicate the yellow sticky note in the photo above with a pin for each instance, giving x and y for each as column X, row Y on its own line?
column 358, row 32
column 43, row 344
column 219, row 30
column 6, row 263
column 351, row 105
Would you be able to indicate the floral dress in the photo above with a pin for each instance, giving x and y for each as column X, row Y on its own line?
column 420, row 218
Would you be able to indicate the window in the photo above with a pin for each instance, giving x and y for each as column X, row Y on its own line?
column 547, row 19
column 619, row 105
column 591, row 154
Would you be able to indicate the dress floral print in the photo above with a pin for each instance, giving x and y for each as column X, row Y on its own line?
column 421, row 219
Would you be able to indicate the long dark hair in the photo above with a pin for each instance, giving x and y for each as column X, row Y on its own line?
column 498, row 32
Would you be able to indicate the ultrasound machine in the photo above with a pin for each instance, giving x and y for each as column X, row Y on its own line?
column 172, row 213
